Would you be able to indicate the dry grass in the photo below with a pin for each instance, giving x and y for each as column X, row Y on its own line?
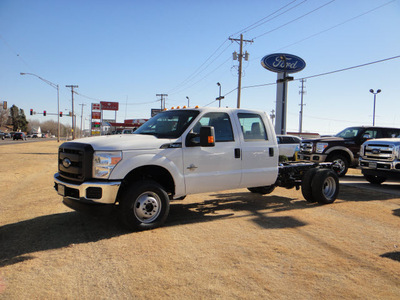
column 225, row 245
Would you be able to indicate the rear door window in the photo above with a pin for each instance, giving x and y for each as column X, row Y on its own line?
column 252, row 127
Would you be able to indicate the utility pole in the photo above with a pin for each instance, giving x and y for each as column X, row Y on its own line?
column 82, row 117
column 302, row 92
column 239, row 57
column 162, row 100
column 73, row 115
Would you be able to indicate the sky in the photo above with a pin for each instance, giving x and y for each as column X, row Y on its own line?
column 130, row 51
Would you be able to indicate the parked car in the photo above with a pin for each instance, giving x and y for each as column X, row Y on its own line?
column 19, row 136
column 2, row 135
column 288, row 145
column 344, row 147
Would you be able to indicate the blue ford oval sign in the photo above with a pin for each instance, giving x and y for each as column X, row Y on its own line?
column 283, row 62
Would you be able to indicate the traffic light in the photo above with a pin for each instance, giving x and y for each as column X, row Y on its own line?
column 31, row 113
column 44, row 113
column 4, row 104
column 60, row 113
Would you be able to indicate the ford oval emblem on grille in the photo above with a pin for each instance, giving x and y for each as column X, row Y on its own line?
column 375, row 151
column 66, row 162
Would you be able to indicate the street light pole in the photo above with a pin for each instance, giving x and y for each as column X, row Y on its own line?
column 188, row 101
column 220, row 97
column 372, row 92
column 58, row 100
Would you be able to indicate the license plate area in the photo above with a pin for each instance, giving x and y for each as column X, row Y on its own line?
column 61, row 190
column 372, row 165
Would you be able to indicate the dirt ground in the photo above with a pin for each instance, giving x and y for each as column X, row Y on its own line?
column 228, row 245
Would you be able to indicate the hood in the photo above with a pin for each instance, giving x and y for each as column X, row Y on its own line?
column 324, row 139
column 124, row 142
column 385, row 140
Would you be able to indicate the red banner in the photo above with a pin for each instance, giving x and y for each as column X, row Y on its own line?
column 109, row 105
column 96, row 115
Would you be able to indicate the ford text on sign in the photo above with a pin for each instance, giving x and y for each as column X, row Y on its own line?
column 283, row 62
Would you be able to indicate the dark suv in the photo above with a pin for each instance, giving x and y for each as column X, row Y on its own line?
column 344, row 147
column 19, row 136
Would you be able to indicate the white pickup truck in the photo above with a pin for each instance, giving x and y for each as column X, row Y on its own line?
column 180, row 152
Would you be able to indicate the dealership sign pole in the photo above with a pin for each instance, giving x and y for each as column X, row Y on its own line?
column 283, row 64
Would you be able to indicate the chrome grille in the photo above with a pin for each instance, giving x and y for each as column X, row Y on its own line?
column 382, row 152
column 75, row 161
column 306, row 147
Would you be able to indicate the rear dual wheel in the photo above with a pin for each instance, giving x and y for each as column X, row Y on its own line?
column 320, row 185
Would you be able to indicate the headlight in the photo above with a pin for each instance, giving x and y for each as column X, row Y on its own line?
column 104, row 163
column 396, row 151
column 321, row 147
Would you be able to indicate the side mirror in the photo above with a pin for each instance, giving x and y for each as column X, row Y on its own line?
column 366, row 136
column 192, row 139
column 207, row 136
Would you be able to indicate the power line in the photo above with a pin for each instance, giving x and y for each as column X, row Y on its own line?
column 256, row 24
column 350, row 68
column 327, row 73
column 337, row 25
column 200, row 68
column 294, row 20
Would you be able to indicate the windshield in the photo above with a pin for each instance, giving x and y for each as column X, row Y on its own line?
column 349, row 133
column 168, row 124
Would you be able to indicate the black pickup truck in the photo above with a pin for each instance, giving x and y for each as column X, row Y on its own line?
column 344, row 147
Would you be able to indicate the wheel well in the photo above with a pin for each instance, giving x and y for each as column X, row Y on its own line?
column 342, row 153
column 155, row 173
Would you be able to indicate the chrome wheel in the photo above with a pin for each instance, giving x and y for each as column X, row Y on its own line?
column 329, row 187
column 147, row 207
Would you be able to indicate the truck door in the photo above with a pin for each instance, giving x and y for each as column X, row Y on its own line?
column 259, row 149
column 215, row 168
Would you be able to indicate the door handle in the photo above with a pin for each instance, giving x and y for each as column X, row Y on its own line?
column 237, row 152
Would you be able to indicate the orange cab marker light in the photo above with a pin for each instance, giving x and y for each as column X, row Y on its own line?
column 210, row 139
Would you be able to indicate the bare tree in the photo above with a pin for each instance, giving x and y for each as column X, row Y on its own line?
column 4, row 114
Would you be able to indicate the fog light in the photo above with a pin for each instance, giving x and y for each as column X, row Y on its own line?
column 94, row 193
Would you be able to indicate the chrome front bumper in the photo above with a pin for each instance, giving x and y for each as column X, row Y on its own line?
column 101, row 192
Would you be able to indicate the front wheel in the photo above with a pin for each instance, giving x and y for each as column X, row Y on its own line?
column 342, row 165
column 144, row 205
column 375, row 179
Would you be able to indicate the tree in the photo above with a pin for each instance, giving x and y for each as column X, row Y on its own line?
column 3, row 116
column 18, row 119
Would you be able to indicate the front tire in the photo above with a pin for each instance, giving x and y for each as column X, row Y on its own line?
column 342, row 164
column 144, row 205
column 374, row 179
